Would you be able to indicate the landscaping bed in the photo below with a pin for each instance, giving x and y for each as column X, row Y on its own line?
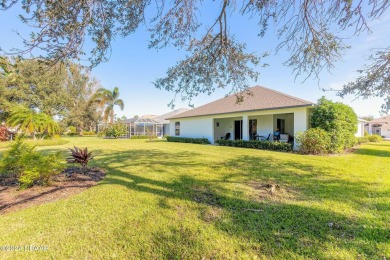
column 68, row 183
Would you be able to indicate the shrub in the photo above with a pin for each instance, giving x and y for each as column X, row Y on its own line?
column 71, row 129
column 266, row 145
column 11, row 163
column 313, row 141
column 29, row 166
column 88, row 133
column 80, row 156
column 362, row 140
column 339, row 120
column 40, row 168
column 374, row 138
column 188, row 140
column 115, row 130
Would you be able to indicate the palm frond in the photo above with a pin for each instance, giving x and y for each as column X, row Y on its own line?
column 120, row 103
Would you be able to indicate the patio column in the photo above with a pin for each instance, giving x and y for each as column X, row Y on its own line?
column 245, row 127
column 301, row 123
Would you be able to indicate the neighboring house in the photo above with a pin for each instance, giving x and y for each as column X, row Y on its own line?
column 163, row 119
column 361, row 129
column 260, row 114
column 158, row 125
column 379, row 126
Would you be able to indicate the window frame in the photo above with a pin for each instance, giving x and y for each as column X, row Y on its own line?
column 177, row 128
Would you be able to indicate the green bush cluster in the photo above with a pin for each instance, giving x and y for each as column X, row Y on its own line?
column 72, row 134
column 188, row 140
column 314, row 141
column 361, row 140
column 266, row 145
column 338, row 120
column 88, row 133
column 334, row 125
column 369, row 138
column 374, row 138
column 22, row 162
column 115, row 130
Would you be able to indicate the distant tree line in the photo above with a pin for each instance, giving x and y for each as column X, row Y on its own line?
column 64, row 91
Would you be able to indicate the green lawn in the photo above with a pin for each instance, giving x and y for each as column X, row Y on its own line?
column 187, row 201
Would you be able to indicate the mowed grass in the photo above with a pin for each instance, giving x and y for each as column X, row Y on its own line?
column 186, row 201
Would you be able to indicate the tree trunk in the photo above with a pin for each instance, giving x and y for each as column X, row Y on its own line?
column 112, row 116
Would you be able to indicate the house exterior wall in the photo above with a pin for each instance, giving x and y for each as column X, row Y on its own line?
column 197, row 127
column 204, row 126
column 166, row 129
column 385, row 131
column 360, row 129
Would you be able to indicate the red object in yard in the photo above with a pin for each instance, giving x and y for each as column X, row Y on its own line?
column 5, row 134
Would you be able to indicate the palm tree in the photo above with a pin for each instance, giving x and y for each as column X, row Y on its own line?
column 32, row 122
column 108, row 99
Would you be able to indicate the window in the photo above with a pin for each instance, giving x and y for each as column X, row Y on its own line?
column 280, row 124
column 177, row 128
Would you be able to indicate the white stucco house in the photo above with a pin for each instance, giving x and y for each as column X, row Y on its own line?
column 379, row 126
column 361, row 127
column 260, row 114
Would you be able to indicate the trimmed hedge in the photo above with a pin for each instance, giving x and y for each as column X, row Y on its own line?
column 266, row 145
column 369, row 138
column 88, row 133
column 374, row 138
column 141, row 137
column 188, row 140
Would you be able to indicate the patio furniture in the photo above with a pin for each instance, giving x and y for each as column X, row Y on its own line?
column 227, row 136
column 262, row 138
column 284, row 138
column 276, row 135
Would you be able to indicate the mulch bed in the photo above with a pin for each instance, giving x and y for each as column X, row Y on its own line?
column 68, row 183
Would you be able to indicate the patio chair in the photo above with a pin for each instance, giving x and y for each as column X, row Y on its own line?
column 263, row 138
column 227, row 136
column 284, row 138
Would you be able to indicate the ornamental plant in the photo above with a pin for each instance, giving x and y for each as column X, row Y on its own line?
column 80, row 156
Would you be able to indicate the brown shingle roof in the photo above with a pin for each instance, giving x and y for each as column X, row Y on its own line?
column 261, row 99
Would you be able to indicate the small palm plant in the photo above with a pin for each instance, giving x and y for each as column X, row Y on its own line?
column 80, row 156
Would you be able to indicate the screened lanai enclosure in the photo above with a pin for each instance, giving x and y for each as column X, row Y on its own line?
column 146, row 125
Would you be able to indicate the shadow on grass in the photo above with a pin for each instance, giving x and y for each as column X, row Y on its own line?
column 373, row 152
column 5, row 206
column 271, row 228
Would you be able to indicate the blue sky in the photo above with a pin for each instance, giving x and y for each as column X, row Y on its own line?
column 133, row 67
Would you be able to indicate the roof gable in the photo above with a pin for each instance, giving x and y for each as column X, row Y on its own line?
column 383, row 119
column 260, row 98
column 162, row 119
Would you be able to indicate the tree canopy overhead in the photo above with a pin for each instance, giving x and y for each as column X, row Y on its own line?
column 307, row 29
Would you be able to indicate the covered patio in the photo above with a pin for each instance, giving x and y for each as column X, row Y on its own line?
column 255, row 127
